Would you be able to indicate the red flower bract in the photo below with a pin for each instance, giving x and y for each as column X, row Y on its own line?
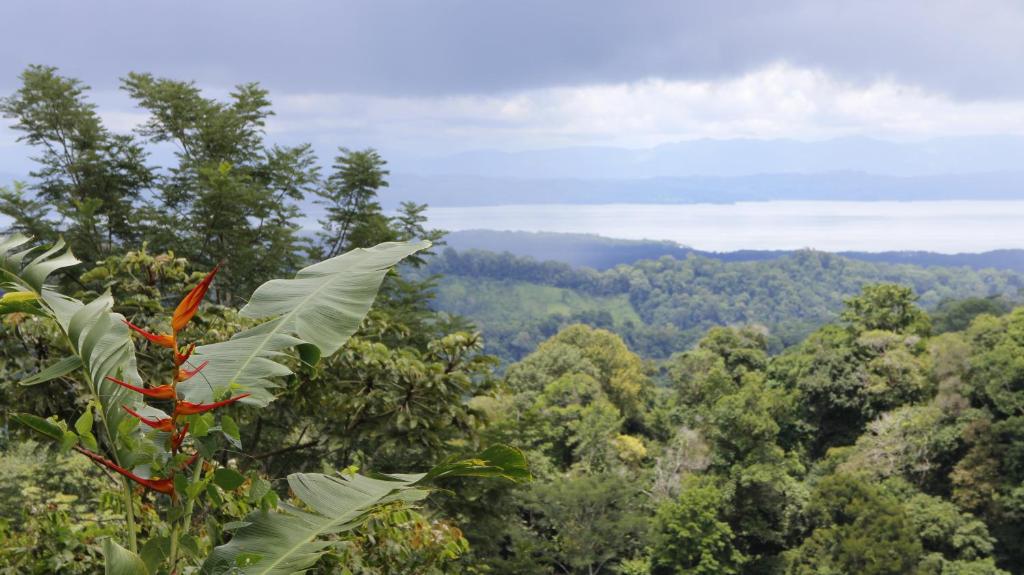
column 165, row 486
column 189, row 408
column 184, row 374
column 158, row 392
column 162, row 339
column 165, row 424
column 190, row 303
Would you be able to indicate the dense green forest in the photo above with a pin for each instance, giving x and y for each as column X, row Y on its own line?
column 601, row 253
column 806, row 415
column 662, row 306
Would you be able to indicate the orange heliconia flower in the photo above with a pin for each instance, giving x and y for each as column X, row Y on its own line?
column 185, row 374
column 182, row 315
column 189, row 408
column 190, row 303
column 165, row 424
column 162, row 339
column 182, row 357
column 178, row 438
column 165, row 486
column 158, row 392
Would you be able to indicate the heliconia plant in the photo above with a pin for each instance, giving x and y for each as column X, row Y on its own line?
column 161, row 437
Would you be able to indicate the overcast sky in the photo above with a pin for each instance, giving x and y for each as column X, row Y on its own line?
column 436, row 76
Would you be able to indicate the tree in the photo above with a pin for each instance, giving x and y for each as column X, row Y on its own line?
column 88, row 176
column 957, row 315
column 690, row 535
column 579, row 524
column 230, row 195
column 595, row 352
column 857, row 529
column 886, row 307
column 354, row 217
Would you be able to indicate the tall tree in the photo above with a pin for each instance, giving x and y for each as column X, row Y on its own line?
column 91, row 177
column 354, row 217
column 230, row 195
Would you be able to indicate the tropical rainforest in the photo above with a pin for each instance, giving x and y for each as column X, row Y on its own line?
column 363, row 401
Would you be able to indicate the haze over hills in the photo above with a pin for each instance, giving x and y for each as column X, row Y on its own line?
column 697, row 171
column 601, row 253
column 737, row 157
column 716, row 171
column 476, row 190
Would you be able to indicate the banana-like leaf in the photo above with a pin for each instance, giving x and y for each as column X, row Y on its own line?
column 321, row 307
column 120, row 561
column 34, row 274
column 293, row 539
column 98, row 336
column 58, row 369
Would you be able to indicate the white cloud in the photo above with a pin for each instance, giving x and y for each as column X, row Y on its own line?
column 778, row 101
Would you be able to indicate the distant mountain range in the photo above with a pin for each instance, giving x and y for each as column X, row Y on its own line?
column 602, row 253
column 736, row 157
column 475, row 190
column 706, row 171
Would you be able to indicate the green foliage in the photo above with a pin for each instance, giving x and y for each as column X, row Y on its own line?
column 957, row 315
column 315, row 312
column 396, row 539
column 54, row 512
column 848, row 376
column 663, row 306
column 690, row 535
column 857, row 529
column 288, row 542
column 89, row 176
column 576, row 524
column 886, row 307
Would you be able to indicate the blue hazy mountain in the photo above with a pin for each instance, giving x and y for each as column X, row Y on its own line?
column 475, row 190
column 598, row 252
column 737, row 157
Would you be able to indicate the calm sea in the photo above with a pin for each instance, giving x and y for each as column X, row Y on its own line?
column 946, row 226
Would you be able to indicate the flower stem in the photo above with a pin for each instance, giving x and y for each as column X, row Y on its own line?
column 129, row 510
column 186, row 518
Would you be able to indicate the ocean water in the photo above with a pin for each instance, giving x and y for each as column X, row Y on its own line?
column 942, row 226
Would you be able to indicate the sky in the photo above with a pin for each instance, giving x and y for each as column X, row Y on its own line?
column 434, row 77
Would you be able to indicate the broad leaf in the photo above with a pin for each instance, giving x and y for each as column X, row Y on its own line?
column 98, row 337
column 58, row 369
column 293, row 539
column 34, row 274
column 120, row 561
column 43, row 426
column 321, row 307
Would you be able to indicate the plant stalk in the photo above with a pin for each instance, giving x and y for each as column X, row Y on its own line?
column 186, row 519
column 129, row 510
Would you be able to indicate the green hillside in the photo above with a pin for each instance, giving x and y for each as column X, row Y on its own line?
column 665, row 305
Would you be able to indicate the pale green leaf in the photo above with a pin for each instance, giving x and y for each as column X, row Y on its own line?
column 55, row 370
column 119, row 561
column 291, row 540
column 322, row 307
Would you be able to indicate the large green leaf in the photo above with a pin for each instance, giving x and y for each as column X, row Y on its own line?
column 321, row 307
column 33, row 275
column 57, row 369
column 119, row 561
column 40, row 425
column 99, row 338
column 292, row 540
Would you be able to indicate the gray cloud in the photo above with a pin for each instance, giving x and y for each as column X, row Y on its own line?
column 967, row 49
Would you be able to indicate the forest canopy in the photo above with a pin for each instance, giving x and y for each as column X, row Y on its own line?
column 189, row 384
